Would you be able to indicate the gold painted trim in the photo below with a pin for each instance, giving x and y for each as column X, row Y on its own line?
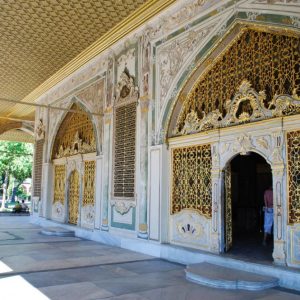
column 132, row 22
column 217, row 132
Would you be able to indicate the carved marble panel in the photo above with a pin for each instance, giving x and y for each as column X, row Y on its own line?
column 58, row 212
column 294, row 246
column 88, row 216
column 171, row 57
column 190, row 229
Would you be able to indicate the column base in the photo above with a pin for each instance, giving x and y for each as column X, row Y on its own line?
column 104, row 228
column 143, row 235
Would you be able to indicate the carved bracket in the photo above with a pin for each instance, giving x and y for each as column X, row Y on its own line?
column 122, row 207
column 126, row 91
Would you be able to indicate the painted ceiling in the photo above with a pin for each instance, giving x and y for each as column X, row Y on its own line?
column 39, row 37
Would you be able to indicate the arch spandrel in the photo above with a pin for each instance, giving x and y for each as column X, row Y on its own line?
column 252, row 60
column 76, row 135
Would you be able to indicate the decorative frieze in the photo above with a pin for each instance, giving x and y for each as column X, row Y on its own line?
column 246, row 106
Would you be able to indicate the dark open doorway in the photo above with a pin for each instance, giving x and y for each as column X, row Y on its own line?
column 248, row 176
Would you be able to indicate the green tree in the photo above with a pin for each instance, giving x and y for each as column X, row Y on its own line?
column 15, row 161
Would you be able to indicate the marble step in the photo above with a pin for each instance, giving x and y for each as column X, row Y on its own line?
column 221, row 277
column 57, row 231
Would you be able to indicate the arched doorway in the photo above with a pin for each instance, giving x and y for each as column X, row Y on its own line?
column 246, row 177
column 73, row 198
column 73, row 153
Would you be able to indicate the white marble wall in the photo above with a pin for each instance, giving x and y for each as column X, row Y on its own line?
column 161, row 55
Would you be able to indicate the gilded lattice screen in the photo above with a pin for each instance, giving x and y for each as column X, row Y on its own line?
column 124, row 166
column 74, row 197
column 75, row 135
column 269, row 61
column 293, row 151
column 59, row 183
column 191, row 179
column 89, row 183
column 38, row 167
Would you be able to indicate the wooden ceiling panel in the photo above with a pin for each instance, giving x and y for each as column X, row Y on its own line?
column 37, row 38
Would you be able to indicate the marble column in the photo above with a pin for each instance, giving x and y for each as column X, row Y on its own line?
column 106, row 166
column 279, row 253
column 98, row 190
column 47, row 191
column 215, row 242
column 143, row 167
column 216, row 185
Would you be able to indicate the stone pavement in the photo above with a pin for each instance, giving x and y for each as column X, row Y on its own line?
column 36, row 267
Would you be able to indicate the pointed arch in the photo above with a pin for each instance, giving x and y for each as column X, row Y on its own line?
column 203, row 83
column 75, row 134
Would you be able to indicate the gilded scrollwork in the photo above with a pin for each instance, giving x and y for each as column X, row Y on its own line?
column 75, row 135
column 285, row 105
column 246, row 106
column 265, row 90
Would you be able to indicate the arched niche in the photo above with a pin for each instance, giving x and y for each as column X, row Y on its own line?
column 260, row 58
column 76, row 134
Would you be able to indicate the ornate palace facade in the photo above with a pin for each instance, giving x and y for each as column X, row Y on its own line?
column 142, row 147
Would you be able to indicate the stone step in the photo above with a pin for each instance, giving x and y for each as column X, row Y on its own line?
column 226, row 278
column 57, row 231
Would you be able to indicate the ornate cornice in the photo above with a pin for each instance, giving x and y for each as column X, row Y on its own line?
column 136, row 19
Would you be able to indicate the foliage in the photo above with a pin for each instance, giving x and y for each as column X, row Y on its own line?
column 15, row 161
column 16, row 158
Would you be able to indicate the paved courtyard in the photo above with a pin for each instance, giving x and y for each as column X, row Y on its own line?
column 36, row 267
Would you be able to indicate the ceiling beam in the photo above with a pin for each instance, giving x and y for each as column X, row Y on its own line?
column 48, row 107
column 16, row 119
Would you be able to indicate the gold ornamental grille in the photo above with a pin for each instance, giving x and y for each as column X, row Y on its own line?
column 89, row 183
column 191, row 180
column 59, row 184
column 269, row 61
column 293, row 149
column 124, row 164
column 228, row 208
column 72, row 124
column 38, row 166
column 74, row 197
